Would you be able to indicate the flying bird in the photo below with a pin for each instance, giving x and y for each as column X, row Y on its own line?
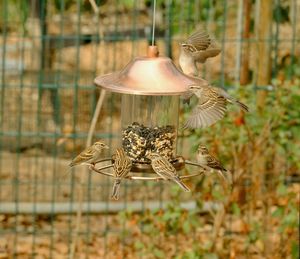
column 165, row 169
column 122, row 166
column 211, row 106
column 90, row 155
column 208, row 161
column 196, row 49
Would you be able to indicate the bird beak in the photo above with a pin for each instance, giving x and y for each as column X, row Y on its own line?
column 106, row 147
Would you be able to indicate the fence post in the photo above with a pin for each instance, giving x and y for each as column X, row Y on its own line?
column 264, row 50
column 244, row 76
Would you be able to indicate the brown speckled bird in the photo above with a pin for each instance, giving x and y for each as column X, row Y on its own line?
column 90, row 155
column 211, row 105
column 196, row 49
column 165, row 169
column 208, row 161
column 122, row 166
column 210, row 108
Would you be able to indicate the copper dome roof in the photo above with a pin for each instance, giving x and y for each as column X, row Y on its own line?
column 150, row 75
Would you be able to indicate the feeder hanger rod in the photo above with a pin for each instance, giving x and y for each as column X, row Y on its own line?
column 153, row 21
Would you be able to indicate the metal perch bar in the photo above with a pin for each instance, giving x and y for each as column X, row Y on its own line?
column 194, row 163
column 98, row 170
column 160, row 178
column 104, row 160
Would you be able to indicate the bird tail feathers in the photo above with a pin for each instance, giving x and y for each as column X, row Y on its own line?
column 72, row 164
column 182, row 185
column 226, row 175
column 244, row 107
column 231, row 99
column 116, row 189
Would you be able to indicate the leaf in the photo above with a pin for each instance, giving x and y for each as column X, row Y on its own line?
column 158, row 253
column 190, row 255
column 281, row 14
column 138, row 245
column 186, row 226
column 217, row 194
column 281, row 189
column 210, row 256
column 235, row 209
column 295, row 250
column 278, row 212
column 167, row 216
column 291, row 219
column 149, row 229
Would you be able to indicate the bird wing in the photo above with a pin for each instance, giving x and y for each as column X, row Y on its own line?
column 201, row 56
column 84, row 156
column 163, row 168
column 199, row 40
column 231, row 99
column 214, row 163
column 211, row 107
column 167, row 171
column 122, row 167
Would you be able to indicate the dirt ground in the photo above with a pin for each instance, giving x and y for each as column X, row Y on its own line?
column 104, row 236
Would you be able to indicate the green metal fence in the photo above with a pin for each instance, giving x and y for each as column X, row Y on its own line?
column 51, row 51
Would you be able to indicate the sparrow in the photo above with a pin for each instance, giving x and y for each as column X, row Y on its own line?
column 122, row 166
column 165, row 169
column 211, row 106
column 196, row 49
column 208, row 161
column 90, row 155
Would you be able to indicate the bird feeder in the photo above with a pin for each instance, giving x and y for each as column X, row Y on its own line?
column 150, row 88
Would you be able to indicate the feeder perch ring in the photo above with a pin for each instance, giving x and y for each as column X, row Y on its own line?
column 148, row 178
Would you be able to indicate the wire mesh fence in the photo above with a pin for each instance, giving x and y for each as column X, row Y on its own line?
column 51, row 51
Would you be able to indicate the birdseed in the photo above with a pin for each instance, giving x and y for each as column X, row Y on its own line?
column 138, row 140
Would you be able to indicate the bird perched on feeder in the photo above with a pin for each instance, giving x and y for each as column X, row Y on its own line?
column 196, row 49
column 122, row 166
column 165, row 169
column 90, row 155
column 209, row 162
column 211, row 105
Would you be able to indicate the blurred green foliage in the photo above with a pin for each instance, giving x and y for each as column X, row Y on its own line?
column 13, row 12
column 281, row 12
